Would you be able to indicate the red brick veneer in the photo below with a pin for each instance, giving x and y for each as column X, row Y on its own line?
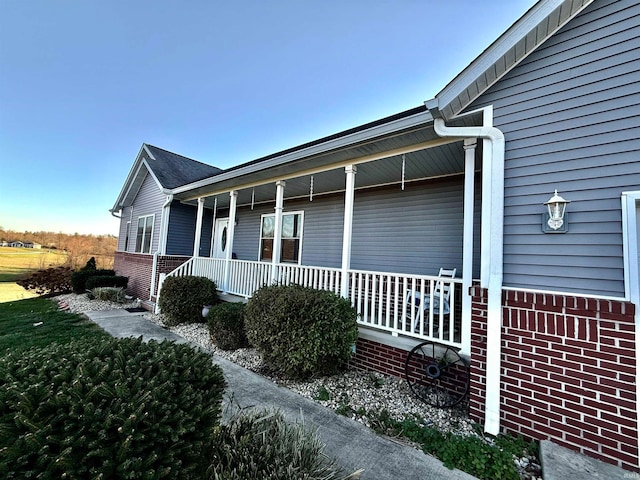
column 138, row 267
column 567, row 371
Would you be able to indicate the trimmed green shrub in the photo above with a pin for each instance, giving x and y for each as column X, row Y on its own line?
column 109, row 409
column 109, row 294
column 182, row 298
column 115, row 281
column 261, row 445
column 301, row 331
column 226, row 325
column 49, row 282
column 79, row 278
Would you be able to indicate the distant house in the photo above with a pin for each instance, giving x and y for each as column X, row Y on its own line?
column 546, row 305
column 17, row 244
column 32, row 245
column 4, row 243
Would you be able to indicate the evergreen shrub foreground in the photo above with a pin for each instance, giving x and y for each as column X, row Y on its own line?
column 182, row 298
column 301, row 331
column 108, row 409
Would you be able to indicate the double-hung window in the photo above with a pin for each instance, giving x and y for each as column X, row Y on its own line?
column 291, row 244
column 144, row 234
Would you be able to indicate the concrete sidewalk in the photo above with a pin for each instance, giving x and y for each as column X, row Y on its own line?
column 354, row 445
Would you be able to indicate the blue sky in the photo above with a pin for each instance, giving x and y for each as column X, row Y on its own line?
column 84, row 83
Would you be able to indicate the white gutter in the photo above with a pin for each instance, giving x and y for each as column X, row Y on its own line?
column 162, row 243
column 492, row 237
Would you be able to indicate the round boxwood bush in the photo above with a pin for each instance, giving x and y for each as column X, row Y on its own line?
column 182, row 298
column 301, row 331
column 226, row 325
column 112, row 409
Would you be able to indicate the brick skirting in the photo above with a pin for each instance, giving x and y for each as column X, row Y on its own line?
column 567, row 371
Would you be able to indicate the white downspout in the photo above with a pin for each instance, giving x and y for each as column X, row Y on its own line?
column 277, row 231
column 491, row 271
column 162, row 243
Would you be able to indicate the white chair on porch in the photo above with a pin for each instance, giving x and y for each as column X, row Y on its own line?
column 414, row 303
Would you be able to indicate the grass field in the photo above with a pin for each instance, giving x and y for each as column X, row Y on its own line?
column 20, row 326
column 16, row 263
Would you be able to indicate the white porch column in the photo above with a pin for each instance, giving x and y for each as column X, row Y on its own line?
column 213, row 225
column 350, row 171
column 277, row 232
column 467, row 247
column 196, row 241
column 164, row 225
column 230, row 233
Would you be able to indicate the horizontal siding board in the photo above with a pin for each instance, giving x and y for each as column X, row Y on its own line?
column 148, row 201
column 417, row 230
column 181, row 231
column 570, row 114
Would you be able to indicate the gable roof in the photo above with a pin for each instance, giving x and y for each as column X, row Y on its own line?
column 169, row 170
column 173, row 170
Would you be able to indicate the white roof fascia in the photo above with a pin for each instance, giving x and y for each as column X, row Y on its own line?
column 341, row 142
column 126, row 186
column 519, row 30
column 133, row 174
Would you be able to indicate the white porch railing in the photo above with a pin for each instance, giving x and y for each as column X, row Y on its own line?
column 400, row 304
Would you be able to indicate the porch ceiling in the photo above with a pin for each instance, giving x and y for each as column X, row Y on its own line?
column 434, row 159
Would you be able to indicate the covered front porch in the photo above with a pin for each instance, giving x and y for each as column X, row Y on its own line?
column 399, row 304
column 371, row 215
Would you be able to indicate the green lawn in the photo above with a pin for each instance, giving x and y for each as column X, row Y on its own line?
column 19, row 327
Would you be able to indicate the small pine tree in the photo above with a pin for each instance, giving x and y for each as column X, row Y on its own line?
column 91, row 265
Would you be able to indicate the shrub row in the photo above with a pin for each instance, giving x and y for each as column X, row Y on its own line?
column 298, row 331
column 301, row 331
column 112, row 409
column 80, row 278
column 182, row 299
column 115, row 281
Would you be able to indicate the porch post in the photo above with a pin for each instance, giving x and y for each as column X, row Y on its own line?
column 350, row 171
column 164, row 225
column 213, row 225
column 277, row 232
column 467, row 247
column 230, row 232
column 196, row 241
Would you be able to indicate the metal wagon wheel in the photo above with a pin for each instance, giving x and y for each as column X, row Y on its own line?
column 437, row 374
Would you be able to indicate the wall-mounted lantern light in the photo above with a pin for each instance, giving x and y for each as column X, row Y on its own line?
column 555, row 219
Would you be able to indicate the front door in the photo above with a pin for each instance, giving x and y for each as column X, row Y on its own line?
column 220, row 238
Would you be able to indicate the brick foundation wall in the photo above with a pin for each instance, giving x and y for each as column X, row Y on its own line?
column 167, row 264
column 376, row 357
column 567, row 371
column 138, row 267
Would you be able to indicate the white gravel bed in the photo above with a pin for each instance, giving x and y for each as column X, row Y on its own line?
column 353, row 393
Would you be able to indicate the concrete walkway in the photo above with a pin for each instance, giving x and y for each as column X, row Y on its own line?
column 354, row 445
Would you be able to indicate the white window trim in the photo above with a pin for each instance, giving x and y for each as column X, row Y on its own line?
column 127, row 236
column 284, row 214
column 153, row 226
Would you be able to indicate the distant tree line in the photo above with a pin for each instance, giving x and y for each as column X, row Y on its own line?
column 77, row 247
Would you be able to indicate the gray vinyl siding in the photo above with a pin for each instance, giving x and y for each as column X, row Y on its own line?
column 182, row 229
column 125, row 217
column 148, row 201
column 571, row 118
column 418, row 230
